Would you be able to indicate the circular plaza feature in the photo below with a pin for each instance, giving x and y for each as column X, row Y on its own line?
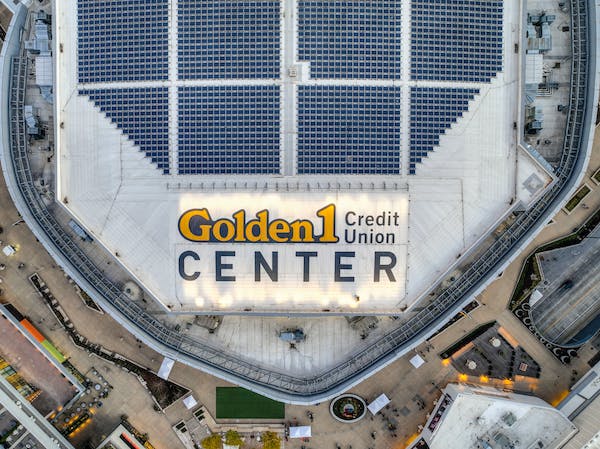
column 348, row 408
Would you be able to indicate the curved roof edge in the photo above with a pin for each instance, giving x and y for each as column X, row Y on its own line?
column 317, row 390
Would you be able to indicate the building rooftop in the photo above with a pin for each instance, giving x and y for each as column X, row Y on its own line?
column 33, row 430
column 285, row 120
column 475, row 417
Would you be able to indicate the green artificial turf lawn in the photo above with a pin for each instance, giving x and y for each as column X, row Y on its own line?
column 235, row 402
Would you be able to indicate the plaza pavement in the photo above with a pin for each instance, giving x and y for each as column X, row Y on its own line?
column 412, row 390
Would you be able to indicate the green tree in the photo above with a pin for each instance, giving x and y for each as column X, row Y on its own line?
column 271, row 440
column 212, row 442
column 233, row 438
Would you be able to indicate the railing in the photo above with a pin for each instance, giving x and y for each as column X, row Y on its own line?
column 406, row 334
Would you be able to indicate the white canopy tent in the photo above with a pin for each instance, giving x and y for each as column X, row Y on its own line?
column 300, row 432
column 190, row 402
column 417, row 361
column 9, row 251
column 165, row 368
column 378, row 403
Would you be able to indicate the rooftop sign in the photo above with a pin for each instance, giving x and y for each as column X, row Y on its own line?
column 342, row 250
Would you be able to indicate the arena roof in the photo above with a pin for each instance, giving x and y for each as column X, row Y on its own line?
column 399, row 114
column 475, row 270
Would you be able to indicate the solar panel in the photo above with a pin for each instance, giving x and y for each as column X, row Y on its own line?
column 120, row 40
column 456, row 40
column 348, row 130
column 432, row 112
column 229, row 39
column 142, row 114
column 235, row 129
column 229, row 130
column 350, row 39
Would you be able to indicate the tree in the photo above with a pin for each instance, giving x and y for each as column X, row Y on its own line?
column 271, row 440
column 212, row 442
column 233, row 438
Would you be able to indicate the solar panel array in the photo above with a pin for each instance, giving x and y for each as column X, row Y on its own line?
column 350, row 39
column 432, row 112
column 229, row 39
column 142, row 114
column 348, row 130
column 229, row 130
column 119, row 40
column 456, row 40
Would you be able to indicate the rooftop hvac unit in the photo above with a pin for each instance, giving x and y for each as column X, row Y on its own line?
column 509, row 419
